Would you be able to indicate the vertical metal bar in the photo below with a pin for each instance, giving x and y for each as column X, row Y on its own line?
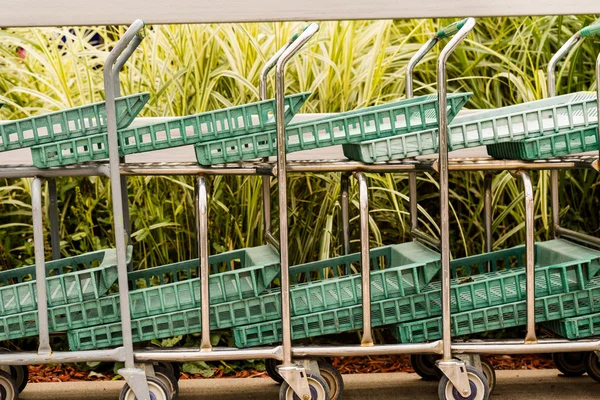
column 367, row 338
column 202, row 237
column 282, row 195
column 444, row 191
column 487, row 215
column 345, row 206
column 53, row 215
column 412, row 198
column 598, row 98
column 530, row 336
column 40, row 267
column 115, row 175
column 555, row 202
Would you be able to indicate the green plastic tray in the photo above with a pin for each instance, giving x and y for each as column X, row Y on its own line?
column 576, row 327
column 548, row 146
column 471, row 289
column 234, row 275
column 547, row 308
column 228, row 122
column 74, row 279
column 536, row 118
column 398, row 270
column 368, row 123
column 85, row 120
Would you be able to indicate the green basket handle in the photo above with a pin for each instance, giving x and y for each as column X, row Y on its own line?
column 591, row 30
column 451, row 29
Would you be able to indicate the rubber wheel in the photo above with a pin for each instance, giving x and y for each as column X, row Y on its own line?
column 570, row 364
column 271, row 368
column 480, row 389
column 20, row 374
column 158, row 390
column 489, row 372
column 333, row 378
column 8, row 387
column 165, row 375
column 592, row 365
column 318, row 389
column 171, row 366
column 424, row 366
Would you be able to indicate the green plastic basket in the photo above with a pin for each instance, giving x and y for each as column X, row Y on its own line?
column 471, row 289
column 398, row 270
column 354, row 126
column 576, row 327
column 536, row 118
column 228, row 122
column 74, row 122
column 547, row 308
column 548, row 146
column 234, row 275
column 74, row 279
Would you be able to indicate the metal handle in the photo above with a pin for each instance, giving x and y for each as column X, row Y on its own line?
column 443, row 33
column 133, row 45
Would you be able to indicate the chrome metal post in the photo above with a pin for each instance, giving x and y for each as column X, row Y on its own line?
column 40, row 267
column 345, row 210
column 282, row 182
column 530, row 336
column 202, row 237
column 367, row 338
column 487, row 215
column 53, row 216
column 115, row 175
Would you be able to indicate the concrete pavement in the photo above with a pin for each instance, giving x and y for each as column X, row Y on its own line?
column 512, row 385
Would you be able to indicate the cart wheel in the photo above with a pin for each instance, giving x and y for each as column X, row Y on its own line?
column 488, row 371
column 173, row 367
column 165, row 375
column 592, row 365
column 158, row 390
column 318, row 389
column 424, row 366
column 8, row 387
column 570, row 364
column 480, row 389
column 20, row 374
column 271, row 368
column 333, row 378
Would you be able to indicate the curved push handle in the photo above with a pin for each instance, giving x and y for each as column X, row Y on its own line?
column 451, row 29
column 591, row 30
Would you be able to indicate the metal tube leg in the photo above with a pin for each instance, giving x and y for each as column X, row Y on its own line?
column 345, row 205
column 555, row 202
column 487, row 215
column 530, row 337
column 202, row 236
column 412, row 198
column 40, row 266
column 367, row 339
column 54, row 223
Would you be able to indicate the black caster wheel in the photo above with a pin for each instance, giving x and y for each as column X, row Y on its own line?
column 20, row 374
column 480, row 389
column 570, row 364
column 8, row 387
column 158, row 390
column 592, row 365
column 171, row 366
column 490, row 374
column 271, row 368
column 333, row 378
column 165, row 375
column 424, row 366
column 318, row 389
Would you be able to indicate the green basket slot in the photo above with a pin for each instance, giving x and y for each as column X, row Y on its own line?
column 576, row 327
column 527, row 120
column 228, row 122
column 547, row 146
column 547, row 308
column 85, row 120
column 234, row 275
column 74, row 279
column 471, row 289
column 354, row 126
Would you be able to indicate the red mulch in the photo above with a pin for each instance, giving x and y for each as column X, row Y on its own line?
column 347, row 365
